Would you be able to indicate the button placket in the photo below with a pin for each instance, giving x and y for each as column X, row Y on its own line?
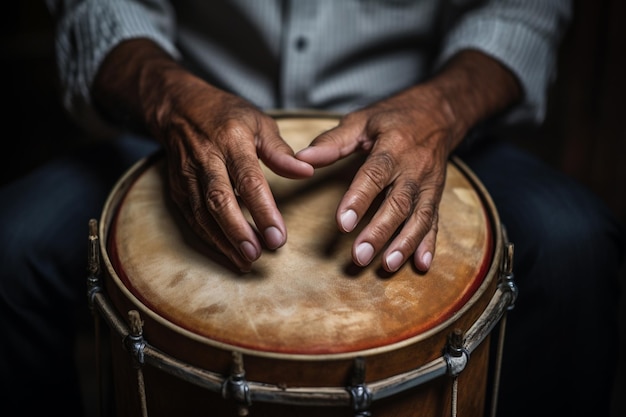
column 297, row 65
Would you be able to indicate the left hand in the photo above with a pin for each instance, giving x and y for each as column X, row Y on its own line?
column 408, row 138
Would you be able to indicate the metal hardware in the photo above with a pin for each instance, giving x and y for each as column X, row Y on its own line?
column 321, row 396
column 506, row 272
column 134, row 341
column 93, row 263
column 359, row 392
column 456, row 355
column 236, row 386
column 135, row 344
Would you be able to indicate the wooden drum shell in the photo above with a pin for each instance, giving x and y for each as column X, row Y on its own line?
column 301, row 366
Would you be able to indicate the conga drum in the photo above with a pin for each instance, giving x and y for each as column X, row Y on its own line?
column 306, row 332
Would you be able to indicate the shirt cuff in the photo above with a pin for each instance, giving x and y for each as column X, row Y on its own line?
column 529, row 55
column 90, row 31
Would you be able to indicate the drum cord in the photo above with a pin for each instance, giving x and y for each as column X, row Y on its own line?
column 99, row 376
column 141, row 388
column 507, row 283
column 135, row 344
column 93, row 288
column 455, row 395
column 498, row 366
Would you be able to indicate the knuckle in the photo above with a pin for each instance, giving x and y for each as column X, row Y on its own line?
column 232, row 128
column 425, row 221
column 378, row 235
column 392, row 134
column 403, row 199
column 411, row 241
column 426, row 215
column 249, row 183
column 232, row 138
column 218, row 199
column 379, row 166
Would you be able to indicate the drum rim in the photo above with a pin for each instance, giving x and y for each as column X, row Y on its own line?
column 123, row 185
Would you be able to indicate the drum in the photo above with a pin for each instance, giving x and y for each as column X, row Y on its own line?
column 306, row 332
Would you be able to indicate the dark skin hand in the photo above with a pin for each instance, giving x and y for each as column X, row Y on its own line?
column 409, row 138
column 213, row 141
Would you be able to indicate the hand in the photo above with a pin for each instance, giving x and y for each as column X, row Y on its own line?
column 409, row 138
column 213, row 141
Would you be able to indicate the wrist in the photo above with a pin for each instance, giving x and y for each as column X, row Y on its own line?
column 474, row 87
column 127, row 83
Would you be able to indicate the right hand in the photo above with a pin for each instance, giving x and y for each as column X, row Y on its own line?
column 213, row 141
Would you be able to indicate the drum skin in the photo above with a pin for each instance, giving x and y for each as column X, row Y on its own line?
column 305, row 311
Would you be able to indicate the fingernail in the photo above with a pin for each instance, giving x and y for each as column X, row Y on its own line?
column 273, row 237
column 394, row 260
column 348, row 220
column 427, row 259
column 249, row 251
column 364, row 253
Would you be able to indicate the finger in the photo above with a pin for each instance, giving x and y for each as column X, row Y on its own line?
column 195, row 211
column 397, row 206
column 278, row 155
column 242, row 257
column 416, row 239
column 370, row 180
column 253, row 189
column 243, row 175
column 334, row 144
column 425, row 252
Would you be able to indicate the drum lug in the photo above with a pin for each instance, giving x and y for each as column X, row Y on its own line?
column 360, row 393
column 456, row 355
column 506, row 273
column 93, row 263
column 236, row 386
column 134, row 341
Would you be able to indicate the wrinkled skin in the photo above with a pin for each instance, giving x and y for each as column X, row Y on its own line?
column 214, row 159
column 213, row 141
column 408, row 140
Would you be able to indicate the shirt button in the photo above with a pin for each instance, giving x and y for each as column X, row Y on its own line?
column 301, row 43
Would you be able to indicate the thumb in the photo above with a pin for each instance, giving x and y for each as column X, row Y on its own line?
column 334, row 144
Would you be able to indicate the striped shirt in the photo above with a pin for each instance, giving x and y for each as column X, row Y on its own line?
column 315, row 54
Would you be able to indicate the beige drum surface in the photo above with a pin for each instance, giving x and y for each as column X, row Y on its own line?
column 307, row 298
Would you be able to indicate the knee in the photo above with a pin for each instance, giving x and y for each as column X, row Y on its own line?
column 43, row 259
column 20, row 255
column 569, row 257
column 584, row 235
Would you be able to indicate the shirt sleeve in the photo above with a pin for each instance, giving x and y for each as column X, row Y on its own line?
column 522, row 35
column 87, row 30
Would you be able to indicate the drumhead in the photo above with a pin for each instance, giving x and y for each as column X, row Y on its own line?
column 307, row 298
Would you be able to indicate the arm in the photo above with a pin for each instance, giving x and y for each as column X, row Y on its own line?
column 524, row 37
column 118, row 57
column 212, row 140
column 497, row 55
column 87, row 30
column 409, row 138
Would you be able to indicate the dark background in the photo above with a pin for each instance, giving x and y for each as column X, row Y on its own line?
column 584, row 134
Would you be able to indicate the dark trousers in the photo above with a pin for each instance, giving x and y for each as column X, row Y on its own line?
column 561, row 340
